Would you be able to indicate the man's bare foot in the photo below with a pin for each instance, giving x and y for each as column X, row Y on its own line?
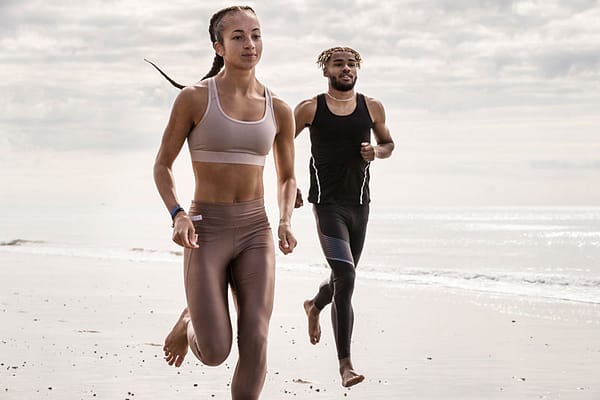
column 176, row 343
column 314, row 328
column 349, row 376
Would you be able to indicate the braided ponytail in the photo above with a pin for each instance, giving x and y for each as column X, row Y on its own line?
column 218, row 63
column 177, row 85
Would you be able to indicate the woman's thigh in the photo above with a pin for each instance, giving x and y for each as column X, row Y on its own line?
column 253, row 279
column 206, row 283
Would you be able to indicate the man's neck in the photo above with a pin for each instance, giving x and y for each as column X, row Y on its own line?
column 341, row 96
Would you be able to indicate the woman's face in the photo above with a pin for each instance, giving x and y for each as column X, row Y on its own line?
column 242, row 43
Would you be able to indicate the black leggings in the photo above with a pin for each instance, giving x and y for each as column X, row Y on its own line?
column 342, row 231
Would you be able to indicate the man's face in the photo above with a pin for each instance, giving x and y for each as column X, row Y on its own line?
column 342, row 70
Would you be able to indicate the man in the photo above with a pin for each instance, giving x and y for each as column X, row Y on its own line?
column 340, row 123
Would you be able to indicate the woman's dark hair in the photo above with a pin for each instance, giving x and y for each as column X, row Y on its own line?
column 214, row 30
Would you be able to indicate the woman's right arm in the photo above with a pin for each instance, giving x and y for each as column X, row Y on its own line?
column 180, row 123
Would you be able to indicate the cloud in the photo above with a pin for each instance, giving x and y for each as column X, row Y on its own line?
column 72, row 73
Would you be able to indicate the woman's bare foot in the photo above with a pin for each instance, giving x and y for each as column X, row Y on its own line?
column 349, row 376
column 176, row 343
column 314, row 328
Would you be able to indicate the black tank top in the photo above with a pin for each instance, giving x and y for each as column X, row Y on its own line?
column 338, row 173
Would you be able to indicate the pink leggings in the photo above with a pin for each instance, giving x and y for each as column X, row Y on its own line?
column 236, row 248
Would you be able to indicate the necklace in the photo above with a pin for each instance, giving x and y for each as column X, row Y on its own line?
column 336, row 99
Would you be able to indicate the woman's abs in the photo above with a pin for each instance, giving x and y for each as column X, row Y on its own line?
column 227, row 183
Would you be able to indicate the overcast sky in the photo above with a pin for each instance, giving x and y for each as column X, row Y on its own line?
column 503, row 95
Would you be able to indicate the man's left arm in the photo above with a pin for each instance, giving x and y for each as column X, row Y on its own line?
column 385, row 143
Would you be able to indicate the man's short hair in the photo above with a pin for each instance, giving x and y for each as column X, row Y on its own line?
column 325, row 55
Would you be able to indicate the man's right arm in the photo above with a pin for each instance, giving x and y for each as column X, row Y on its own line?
column 304, row 114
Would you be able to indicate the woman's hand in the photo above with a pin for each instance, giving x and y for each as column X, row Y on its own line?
column 184, row 233
column 287, row 241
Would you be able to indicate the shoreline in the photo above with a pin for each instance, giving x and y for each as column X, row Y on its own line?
column 88, row 328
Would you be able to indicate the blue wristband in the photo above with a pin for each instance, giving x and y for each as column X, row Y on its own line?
column 175, row 210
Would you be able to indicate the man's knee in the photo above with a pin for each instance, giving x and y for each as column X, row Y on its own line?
column 343, row 280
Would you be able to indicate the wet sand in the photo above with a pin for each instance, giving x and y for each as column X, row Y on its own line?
column 81, row 328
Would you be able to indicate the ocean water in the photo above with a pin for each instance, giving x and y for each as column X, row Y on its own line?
column 540, row 253
column 549, row 254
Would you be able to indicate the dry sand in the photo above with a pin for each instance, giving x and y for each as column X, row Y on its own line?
column 80, row 328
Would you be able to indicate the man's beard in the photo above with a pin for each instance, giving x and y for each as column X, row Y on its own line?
column 342, row 86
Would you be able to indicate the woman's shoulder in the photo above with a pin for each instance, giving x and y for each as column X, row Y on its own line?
column 279, row 105
column 194, row 92
column 192, row 100
column 200, row 87
column 282, row 110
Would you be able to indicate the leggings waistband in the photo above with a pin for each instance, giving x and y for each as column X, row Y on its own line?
column 230, row 214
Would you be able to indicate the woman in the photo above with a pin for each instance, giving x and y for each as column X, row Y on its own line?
column 230, row 121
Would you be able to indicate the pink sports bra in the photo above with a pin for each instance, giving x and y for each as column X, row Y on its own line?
column 219, row 138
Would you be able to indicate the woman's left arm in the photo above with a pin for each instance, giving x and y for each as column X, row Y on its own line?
column 283, row 152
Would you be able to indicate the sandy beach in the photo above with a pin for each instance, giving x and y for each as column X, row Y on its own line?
column 82, row 328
